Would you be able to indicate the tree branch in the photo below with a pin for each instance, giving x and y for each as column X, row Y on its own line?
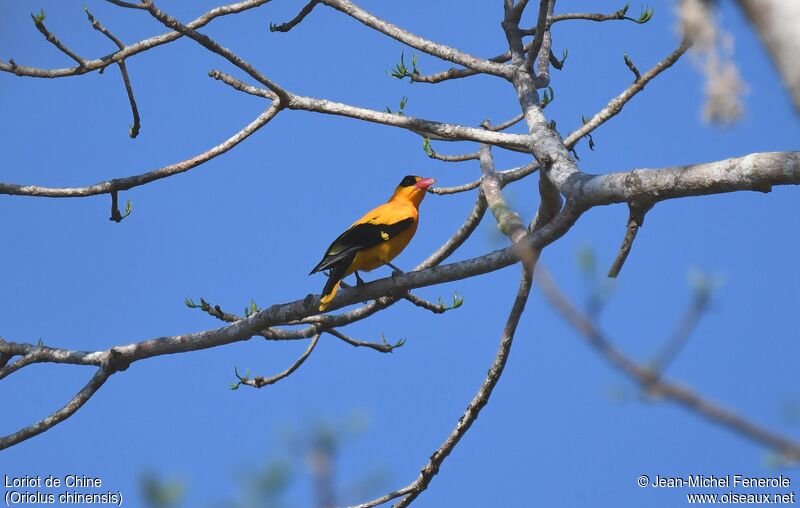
column 427, row 46
column 119, row 184
column 616, row 104
column 656, row 386
column 94, row 384
column 261, row 381
column 478, row 402
column 305, row 11
column 134, row 130
column 754, row 172
column 133, row 49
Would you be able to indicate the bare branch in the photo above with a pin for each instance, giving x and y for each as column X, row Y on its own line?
column 451, row 158
column 427, row 46
column 616, row 104
column 502, row 126
column 241, row 86
column 38, row 20
column 261, row 381
column 508, row 221
column 456, row 73
column 134, row 130
column 506, row 177
column 62, row 414
column 285, row 27
column 442, row 191
column 214, row 47
column 385, row 347
column 638, row 209
column 119, row 184
column 754, row 172
column 133, row 49
column 776, row 22
column 127, row 5
column 546, row 144
column 478, row 402
column 542, row 44
column 697, row 308
column 619, row 15
column 427, row 128
column 655, row 386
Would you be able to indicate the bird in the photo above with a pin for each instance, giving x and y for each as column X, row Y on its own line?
column 374, row 239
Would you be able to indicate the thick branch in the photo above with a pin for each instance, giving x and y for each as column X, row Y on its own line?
column 754, row 172
column 776, row 22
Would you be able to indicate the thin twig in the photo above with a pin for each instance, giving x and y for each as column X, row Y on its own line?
column 657, row 386
column 506, row 177
column 133, row 49
column 134, row 130
column 426, row 46
column 238, row 84
column 385, row 347
column 261, row 381
column 486, row 124
column 436, row 308
column 431, row 469
column 687, row 325
column 127, row 5
column 285, row 27
column 211, row 45
column 637, row 209
column 129, row 182
column 616, row 104
column 38, row 20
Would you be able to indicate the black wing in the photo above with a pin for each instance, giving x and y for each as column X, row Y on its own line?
column 360, row 237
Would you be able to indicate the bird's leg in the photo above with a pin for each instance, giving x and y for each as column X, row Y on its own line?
column 344, row 284
column 359, row 280
column 396, row 271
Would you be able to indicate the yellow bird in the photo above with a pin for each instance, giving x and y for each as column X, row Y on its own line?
column 374, row 239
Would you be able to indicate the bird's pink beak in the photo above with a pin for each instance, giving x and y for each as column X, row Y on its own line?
column 425, row 183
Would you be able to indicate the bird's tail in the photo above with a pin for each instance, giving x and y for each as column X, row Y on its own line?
column 338, row 271
column 328, row 293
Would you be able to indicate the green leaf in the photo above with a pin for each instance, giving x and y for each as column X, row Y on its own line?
column 401, row 71
column 426, row 145
column 621, row 13
column 548, row 98
column 38, row 18
column 128, row 208
column 458, row 301
column 190, row 303
column 645, row 16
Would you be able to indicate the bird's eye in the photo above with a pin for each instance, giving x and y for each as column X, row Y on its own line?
column 408, row 181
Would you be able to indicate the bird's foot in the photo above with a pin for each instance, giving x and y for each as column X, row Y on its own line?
column 359, row 280
column 395, row 271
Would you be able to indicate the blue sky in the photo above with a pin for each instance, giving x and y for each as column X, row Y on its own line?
column 253, row 222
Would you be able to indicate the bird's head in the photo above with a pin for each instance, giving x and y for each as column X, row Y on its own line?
column 412, row 188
